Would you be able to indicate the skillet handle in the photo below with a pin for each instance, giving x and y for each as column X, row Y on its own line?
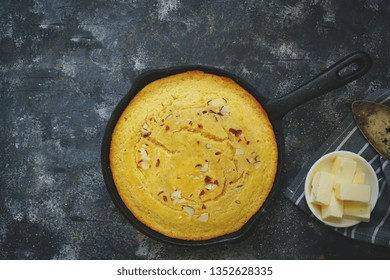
column 330, row 79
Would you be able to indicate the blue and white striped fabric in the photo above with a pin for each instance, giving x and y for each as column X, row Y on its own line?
column 347, row 137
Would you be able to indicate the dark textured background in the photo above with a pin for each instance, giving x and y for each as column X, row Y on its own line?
column 64, row 65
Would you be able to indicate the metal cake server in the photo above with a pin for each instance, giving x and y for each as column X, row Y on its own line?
column 373, row 120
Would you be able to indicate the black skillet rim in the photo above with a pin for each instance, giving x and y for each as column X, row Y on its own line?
column 146, row 78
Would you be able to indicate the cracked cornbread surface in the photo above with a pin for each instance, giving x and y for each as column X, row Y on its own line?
column 193, row 156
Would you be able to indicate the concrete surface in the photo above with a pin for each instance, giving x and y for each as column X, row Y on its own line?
column 64, row 65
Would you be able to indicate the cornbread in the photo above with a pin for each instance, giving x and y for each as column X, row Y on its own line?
column 193, row 156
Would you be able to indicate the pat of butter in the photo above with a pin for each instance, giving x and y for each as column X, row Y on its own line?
column 354, row 192
column 322, row 185
column 359, row 178
column 334, row 209
column 344, row 169
column 357, row 210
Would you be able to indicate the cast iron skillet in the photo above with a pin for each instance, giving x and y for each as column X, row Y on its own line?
column 324, row 82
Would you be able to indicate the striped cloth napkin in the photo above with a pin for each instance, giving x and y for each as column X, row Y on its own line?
column 347, row 137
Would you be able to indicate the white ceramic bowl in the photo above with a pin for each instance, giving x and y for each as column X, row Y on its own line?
column 325, row 164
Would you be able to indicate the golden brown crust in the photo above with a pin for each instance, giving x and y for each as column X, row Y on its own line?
column 193, row 156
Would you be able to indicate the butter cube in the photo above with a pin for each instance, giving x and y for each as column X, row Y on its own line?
column 357, row 210
column 344, row 169
column 354, row 192
column 359, row 178
column 322, row 186
column 334, row 209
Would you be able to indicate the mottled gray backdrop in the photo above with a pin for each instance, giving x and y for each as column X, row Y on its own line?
column 64, row 65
